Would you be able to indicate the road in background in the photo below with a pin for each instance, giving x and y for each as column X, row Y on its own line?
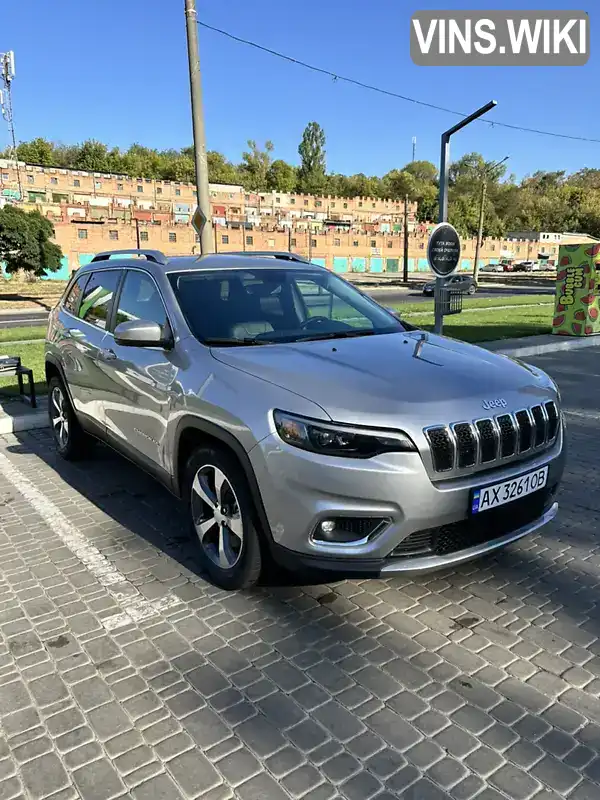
column 25, row 318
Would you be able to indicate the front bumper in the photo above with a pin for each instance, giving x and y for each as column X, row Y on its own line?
column 300, row 489
column 408, row 566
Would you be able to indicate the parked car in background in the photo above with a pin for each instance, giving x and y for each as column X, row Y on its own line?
column 525, row 266
column 297, row 419
column 492, row 268
column 459, row 283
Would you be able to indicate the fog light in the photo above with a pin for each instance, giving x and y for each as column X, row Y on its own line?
column 348, row 530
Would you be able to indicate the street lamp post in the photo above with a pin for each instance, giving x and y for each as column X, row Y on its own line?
column 486, row 173
column 443, row 194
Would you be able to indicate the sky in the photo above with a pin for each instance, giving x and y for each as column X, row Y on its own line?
column 116, row 70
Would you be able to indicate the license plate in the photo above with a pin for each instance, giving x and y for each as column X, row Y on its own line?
column 501, row 493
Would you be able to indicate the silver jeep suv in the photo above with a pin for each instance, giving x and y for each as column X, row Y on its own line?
column 297, row 418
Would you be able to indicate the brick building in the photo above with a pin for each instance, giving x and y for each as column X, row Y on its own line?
column 97, row 211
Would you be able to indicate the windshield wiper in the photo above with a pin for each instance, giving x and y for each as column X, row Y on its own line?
column 229, row 342
column 315, row 337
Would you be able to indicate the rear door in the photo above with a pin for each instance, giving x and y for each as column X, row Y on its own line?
column 83, row 342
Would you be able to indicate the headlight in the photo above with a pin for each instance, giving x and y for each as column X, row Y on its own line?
column 338, row 440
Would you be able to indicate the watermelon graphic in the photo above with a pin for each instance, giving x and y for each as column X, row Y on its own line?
column 580, row 315
column 588, row 299
column 593, row 251
column 593, row 312
column 558, row 321
column 588, row 329
column 565, row 261
column 561, row 275
column 576, row 328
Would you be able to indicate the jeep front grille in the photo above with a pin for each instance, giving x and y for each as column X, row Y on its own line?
column 466, row 444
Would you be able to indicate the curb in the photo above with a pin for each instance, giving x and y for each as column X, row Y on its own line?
column 29, row 419
column 541, row 348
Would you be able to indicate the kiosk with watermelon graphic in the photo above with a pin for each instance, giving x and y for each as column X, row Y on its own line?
column 577, row 305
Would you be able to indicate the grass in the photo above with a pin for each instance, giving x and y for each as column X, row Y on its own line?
column 32, row 356
column 478, row 302
column 22, row 332
column 487, row 326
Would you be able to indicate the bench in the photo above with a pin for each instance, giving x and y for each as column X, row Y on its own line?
column 11, row 365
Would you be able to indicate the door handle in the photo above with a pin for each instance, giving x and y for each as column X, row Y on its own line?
column 107, row 355
column 76, row 332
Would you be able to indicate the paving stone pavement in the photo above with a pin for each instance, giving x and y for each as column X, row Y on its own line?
column 123, row 673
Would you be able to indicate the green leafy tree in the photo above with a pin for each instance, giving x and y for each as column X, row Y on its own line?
column 220, row 170
column 398, row 183
column 37, row 151
column 255, row 166
column 92, row 156
column 25, row 242
column 311, row 175
column 282, row 177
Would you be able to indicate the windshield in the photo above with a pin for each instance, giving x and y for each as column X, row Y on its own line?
column 268, row 306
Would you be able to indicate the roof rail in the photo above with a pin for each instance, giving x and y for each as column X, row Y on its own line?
column 283, row 255
column 151, row 255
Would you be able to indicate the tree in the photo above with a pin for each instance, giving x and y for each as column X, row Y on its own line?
column 282, row 177
column 92, row 156
column 255, row 166
column 37, row 151
column 424, row 172
column 25, row 242
column 398, row 183
column 220, row 170
column 311, row 175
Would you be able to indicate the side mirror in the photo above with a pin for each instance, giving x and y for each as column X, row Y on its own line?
column 141, row 333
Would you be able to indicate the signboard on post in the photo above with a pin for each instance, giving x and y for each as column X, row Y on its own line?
column 198, row 221
column 443, row 250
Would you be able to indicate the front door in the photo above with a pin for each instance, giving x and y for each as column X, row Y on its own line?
column 140, row 380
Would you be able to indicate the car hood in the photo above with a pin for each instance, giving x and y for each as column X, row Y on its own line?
column 413, row 379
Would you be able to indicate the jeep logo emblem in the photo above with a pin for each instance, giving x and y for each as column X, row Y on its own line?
column 499, row 402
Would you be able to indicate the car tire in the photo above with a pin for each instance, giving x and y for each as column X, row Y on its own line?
column 216, row 488
column 471, row 290
column 72, row 443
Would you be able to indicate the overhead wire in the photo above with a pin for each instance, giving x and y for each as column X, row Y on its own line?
column 370, row 87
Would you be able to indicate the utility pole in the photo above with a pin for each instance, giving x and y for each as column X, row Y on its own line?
column 414, row 145
column 137, row 232
column 7, row 73
column 405, row 270
column 486, row 174
column 443, row 196
column 191, row 21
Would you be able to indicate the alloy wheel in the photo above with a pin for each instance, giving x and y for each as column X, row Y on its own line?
column 217, row 517
column 59, row 416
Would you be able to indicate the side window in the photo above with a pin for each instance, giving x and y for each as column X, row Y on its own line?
column 96, row 303
column 140, row 299
column 71, row 302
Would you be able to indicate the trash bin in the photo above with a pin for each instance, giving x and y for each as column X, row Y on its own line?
column 577, row 303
